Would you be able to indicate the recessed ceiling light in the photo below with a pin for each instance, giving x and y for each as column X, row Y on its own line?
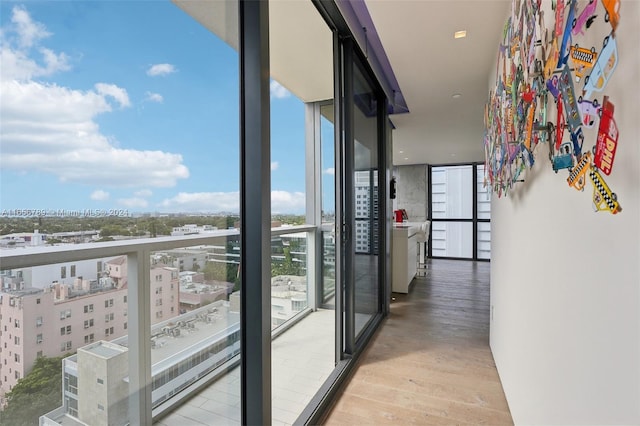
column 460, row 34
column 401, row 152
column 406, row 158
column 456, row 95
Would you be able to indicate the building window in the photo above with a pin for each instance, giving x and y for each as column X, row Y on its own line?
column 125, row 299
column 108, row 317
column 65, row 314
column 37, row 301
column 39, row 338
column 63, row 272
column 16, row 358
column 17, row 323
column 108, row 303
column 73, row 270
column 89, row 338
column 125, row 325
column 100, row 407
column 100, row 381
column 88, row 323
column 88, row 308
column 38, row 321
column 39, row 354
column 16, row 340
column 159, row 314
column 17, row 374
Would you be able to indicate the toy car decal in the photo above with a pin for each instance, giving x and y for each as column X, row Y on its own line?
column 584, row 17
column 569, row 97
column 577, row 138
column 589, row 111
column 559, row 17
column 529, row 128
column 564, row 158
column 552, row 59
column 566, row 37
column 603, row 198
column 583, row 59
column 552, row 86
column 613, row 12
column 607, row 142
column 603, row 68
column 578, row 174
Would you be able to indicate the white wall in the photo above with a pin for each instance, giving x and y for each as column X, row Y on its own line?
column 565, row 328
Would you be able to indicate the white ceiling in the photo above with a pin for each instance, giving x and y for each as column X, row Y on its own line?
column 430, row 66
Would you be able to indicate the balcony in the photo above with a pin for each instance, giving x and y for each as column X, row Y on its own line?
column 189, row 359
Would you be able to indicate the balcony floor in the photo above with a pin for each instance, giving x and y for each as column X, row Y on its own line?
column 302, row 358
column 430, row 362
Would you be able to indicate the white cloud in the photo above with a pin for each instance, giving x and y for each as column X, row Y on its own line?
column 133, row 202
column 28, row 32
column 52, row 129
column 117, row 93
column 144, row 193
column 160, row 69
column 278, row 91
column 281, row 202
column 330, row 171
column 18, row 40
column 203, row 202
column 274, row 165
column 99, row 195
column 287, row 202
column 154, row 97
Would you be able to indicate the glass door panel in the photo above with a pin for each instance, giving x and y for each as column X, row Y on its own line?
column 365, row 203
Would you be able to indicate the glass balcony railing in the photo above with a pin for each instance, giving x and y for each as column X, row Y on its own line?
column 166, row 309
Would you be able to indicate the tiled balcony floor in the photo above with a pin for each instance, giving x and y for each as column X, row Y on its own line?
column 302, row 358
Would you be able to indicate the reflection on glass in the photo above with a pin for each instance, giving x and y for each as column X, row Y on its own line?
column 365, row 200
column 328, row 211
column 289, row 279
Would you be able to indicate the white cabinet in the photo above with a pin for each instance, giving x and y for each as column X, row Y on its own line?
column 404, row 256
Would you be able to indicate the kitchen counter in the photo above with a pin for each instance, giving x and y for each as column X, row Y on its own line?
column 404, row 255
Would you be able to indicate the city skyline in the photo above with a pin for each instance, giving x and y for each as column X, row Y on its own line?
column 144, row 120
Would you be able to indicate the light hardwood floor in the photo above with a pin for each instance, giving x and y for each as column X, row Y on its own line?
column 430, row 362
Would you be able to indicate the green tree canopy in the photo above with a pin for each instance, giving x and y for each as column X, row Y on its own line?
column 36, row 394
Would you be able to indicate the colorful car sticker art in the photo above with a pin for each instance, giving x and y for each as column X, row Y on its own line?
column 534, row 61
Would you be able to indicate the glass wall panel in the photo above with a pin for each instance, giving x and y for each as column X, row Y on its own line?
column 303, row 347
column 452, row 239
column 144, row 125
column 365, row 206
column 484, row 195
column 328, row 210
column 484, row 240
column 451, row 192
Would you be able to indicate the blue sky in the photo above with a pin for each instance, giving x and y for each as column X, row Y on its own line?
column 129, row 105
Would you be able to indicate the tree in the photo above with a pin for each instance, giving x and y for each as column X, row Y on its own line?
column 36, row 394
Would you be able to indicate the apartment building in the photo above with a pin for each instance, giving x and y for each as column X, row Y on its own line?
column 51, row 310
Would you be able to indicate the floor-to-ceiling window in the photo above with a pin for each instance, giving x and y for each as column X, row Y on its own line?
column 460, row 212
column 302, row 281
